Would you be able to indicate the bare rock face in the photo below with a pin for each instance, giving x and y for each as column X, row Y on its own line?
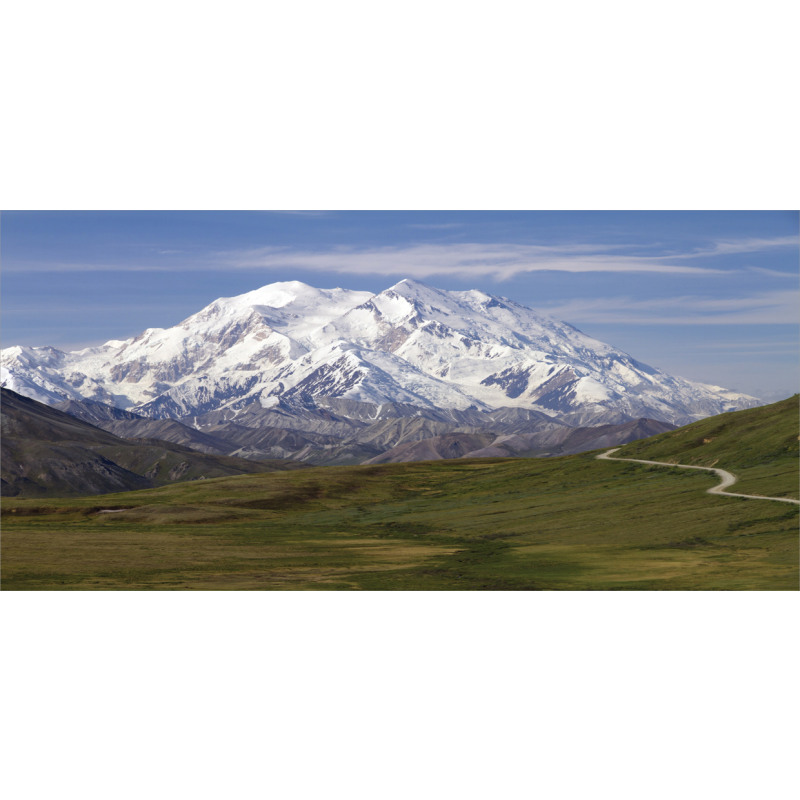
column 289, row 347
column 544, row 441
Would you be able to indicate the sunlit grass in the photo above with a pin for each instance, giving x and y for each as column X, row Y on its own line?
column 565, row 523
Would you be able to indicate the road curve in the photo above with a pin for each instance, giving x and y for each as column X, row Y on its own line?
column 727, row 478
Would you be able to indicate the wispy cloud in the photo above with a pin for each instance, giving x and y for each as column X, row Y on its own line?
column 498, row 260
column 501, row 261
column 750, row 245
column 774, row 273
column 765, row 308
column 760, row 345
column 465, row 259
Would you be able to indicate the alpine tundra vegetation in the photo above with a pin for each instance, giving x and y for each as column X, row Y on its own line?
column 570, row 522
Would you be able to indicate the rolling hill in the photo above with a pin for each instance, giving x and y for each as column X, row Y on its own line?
column 759, row 445
column 569, row 522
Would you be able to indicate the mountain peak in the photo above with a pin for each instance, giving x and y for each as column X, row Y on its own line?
column 414, row 344
column 412, row 289
column 409, row 286
column 275, row 295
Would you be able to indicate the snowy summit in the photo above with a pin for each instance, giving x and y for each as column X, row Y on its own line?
column 292, row 343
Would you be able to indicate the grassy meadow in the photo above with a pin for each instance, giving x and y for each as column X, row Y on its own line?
column 759, row 446
column 504, row 524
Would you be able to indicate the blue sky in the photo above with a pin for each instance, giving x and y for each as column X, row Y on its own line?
column 711, row 296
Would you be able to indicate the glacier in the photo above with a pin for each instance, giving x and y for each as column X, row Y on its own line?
column 289, row 344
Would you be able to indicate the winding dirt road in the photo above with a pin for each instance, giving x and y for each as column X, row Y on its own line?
column 728, row 479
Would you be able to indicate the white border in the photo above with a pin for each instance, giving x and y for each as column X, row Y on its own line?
column 434, row 105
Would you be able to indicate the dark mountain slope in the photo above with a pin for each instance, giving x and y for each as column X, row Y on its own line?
column 548, row 441
column 348, row 432
column 451, row 445
column 94, row 412
column 48, row 452
column 128, row 425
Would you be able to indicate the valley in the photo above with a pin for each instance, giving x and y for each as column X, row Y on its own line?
column 563, row 523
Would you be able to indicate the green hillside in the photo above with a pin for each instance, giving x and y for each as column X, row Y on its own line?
column 759, row 445
column 564, row 523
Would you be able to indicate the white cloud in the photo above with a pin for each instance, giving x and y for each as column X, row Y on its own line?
column 497, row 260
column 465, row 260
column 500, row 261
column 751, row 245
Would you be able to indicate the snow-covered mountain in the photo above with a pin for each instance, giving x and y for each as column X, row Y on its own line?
column 289, row 343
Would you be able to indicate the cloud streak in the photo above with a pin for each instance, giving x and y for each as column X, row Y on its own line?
column 500, row 261
column 764, row 308
column 751, row 245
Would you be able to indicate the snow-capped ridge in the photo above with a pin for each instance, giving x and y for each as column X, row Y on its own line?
column 410, row 343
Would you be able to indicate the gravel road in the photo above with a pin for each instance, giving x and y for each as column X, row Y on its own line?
column 728, row 479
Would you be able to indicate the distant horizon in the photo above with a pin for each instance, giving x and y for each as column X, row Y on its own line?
column 708, row 296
